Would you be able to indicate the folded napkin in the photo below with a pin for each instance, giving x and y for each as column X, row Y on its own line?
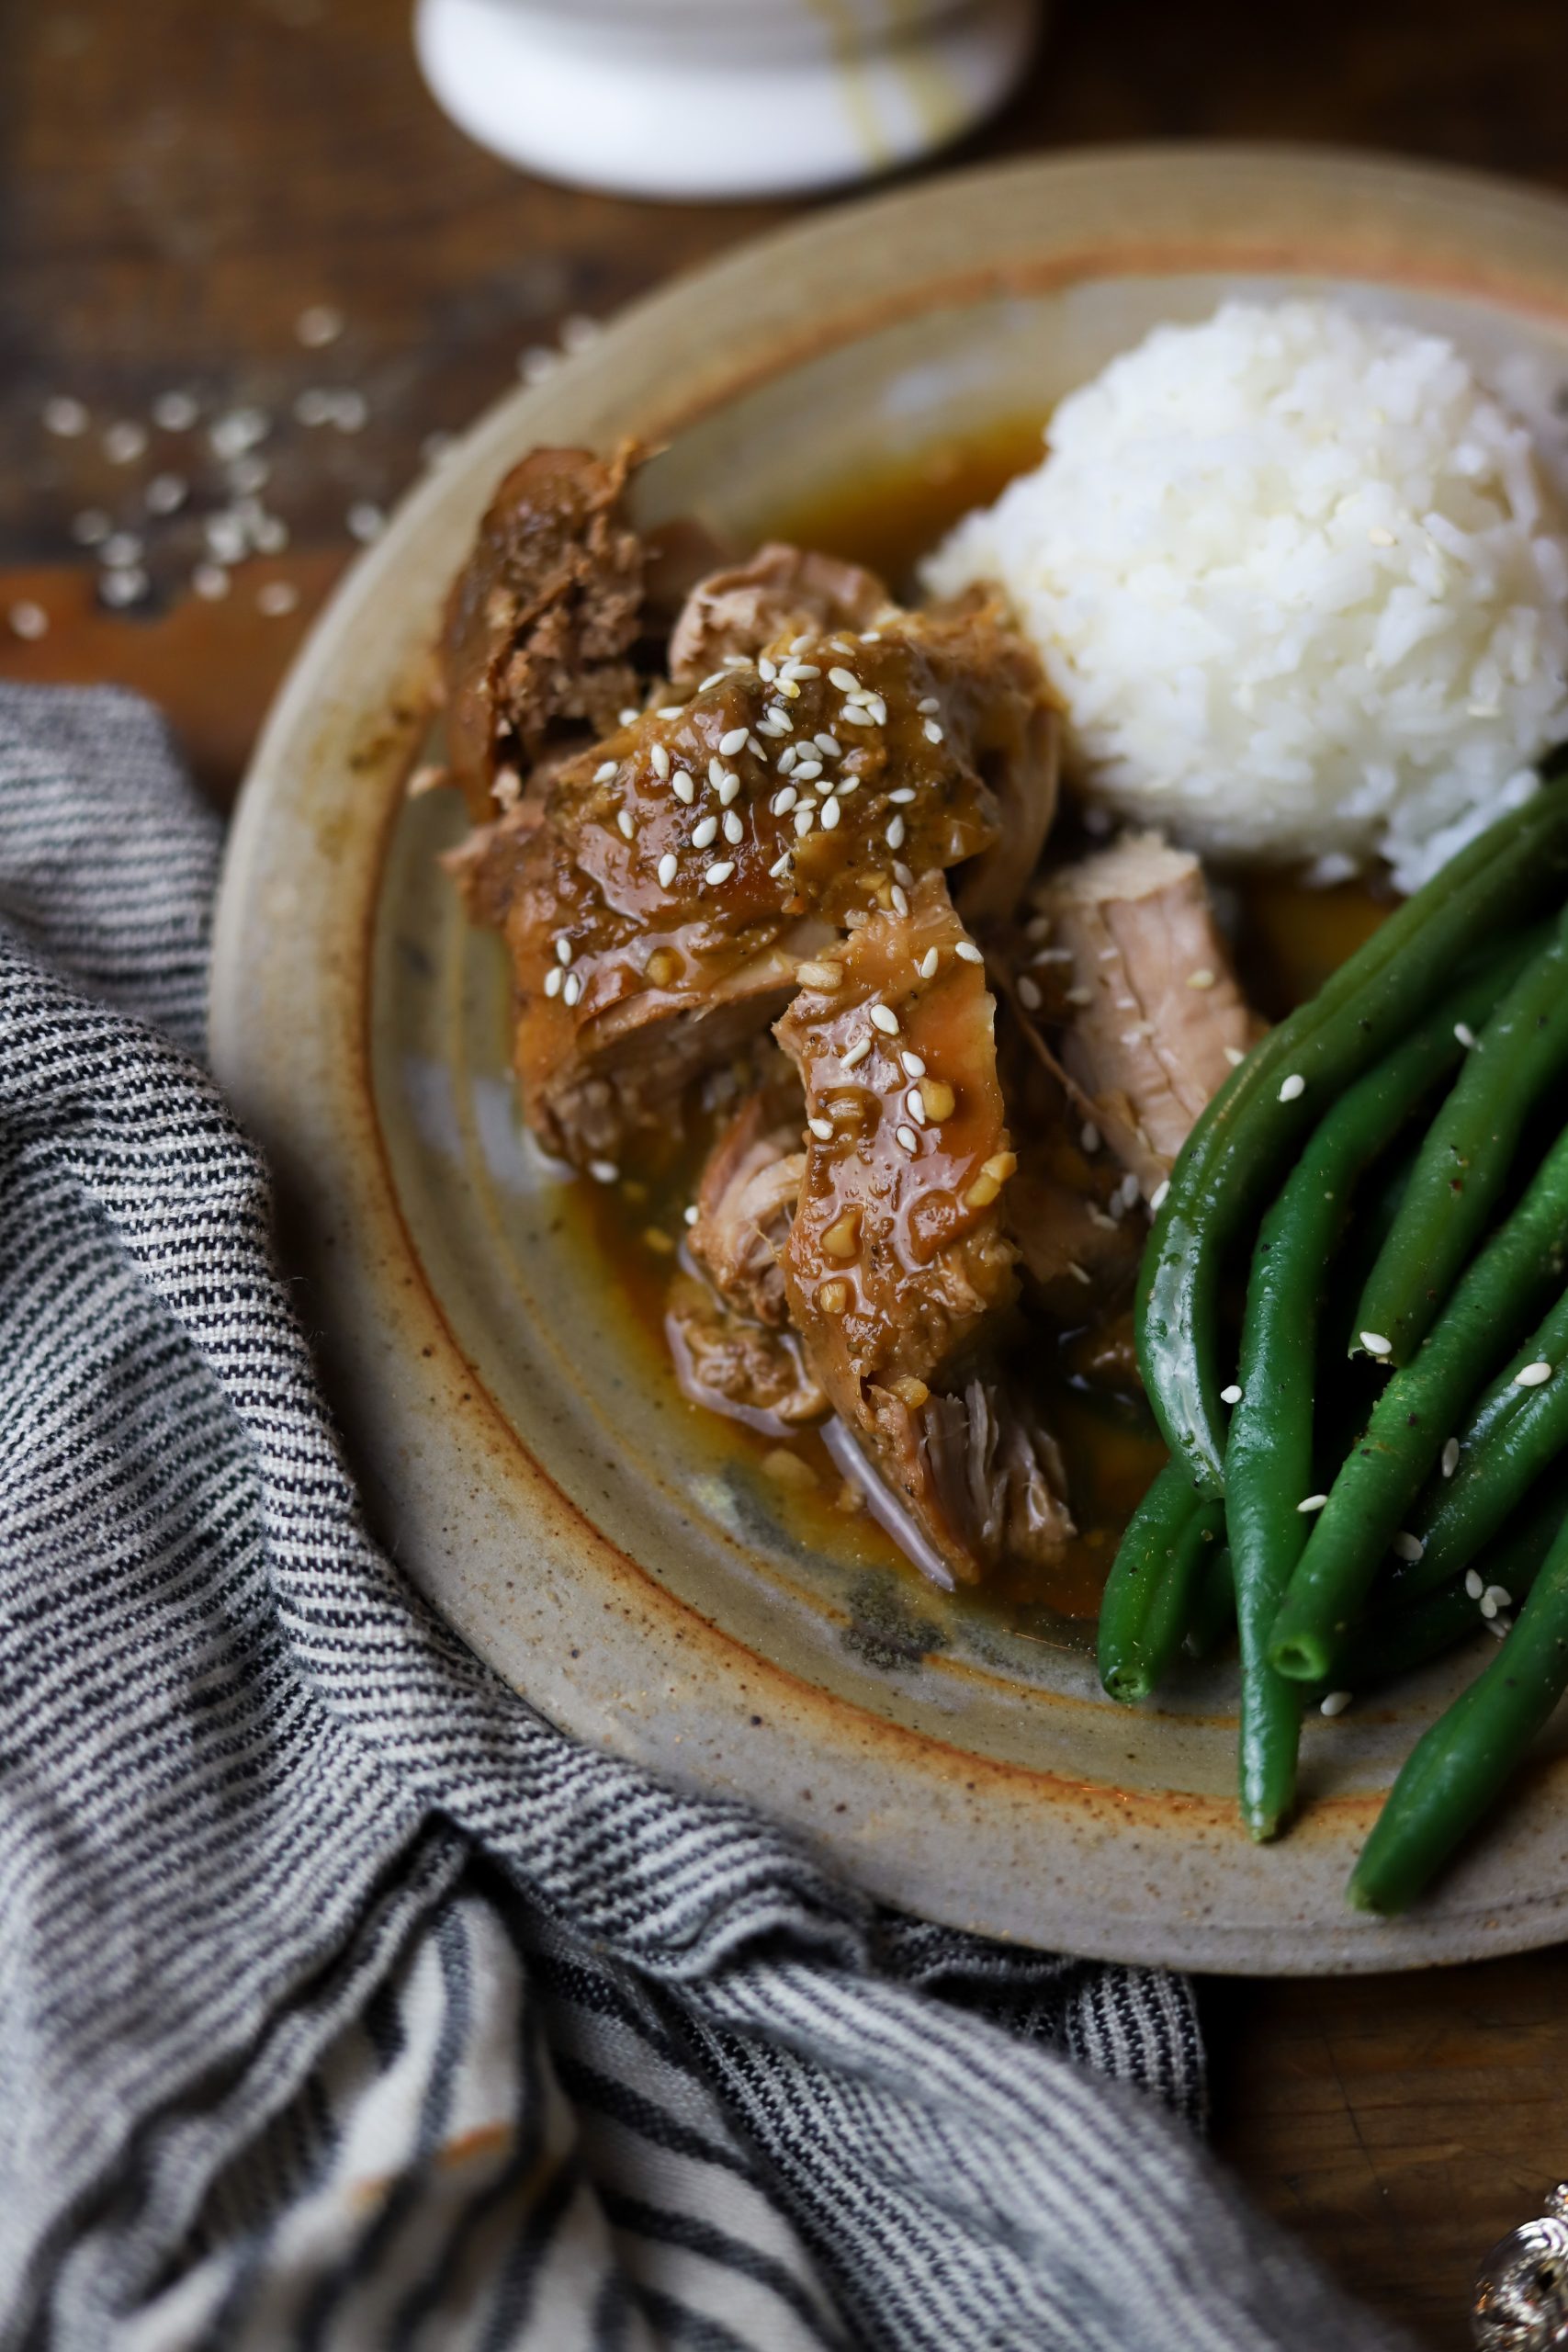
column 344, row 2002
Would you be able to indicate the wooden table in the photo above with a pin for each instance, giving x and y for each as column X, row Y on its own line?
column 183, row 180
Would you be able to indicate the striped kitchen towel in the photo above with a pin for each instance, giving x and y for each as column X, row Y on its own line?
column 345, row 2003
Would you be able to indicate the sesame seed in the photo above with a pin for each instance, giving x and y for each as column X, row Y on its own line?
column 175, row 412
column 719, row 873
column 666, row 870
column 822, row 1129
column 713, row 678
column 828, row 746
column 629, row 717
column 898, row 894
column 734, row 830
column 1080, row 1274
column 1450, row 1457
column 1405, row 1546
column 64, row 417
column 670, row 710
column 782, row 802
column 1292, row 1089
column 894, row 836
column 766, row 669
column 624, row 821
column 830, row 816
column 349, row 411
column 855, row 1054
column 27, row 620
column 689, row 1214
column 1498, row 1627
column 803, row 820
column 914, row 1066
column 125, row 442
column 1376, row 1344
column 1474, row 1583
column 1201, row 978
column 932, row 732
column 563, row 951
column 883, row 1017
column 735, row 740
column 915, row 1107
column 570, row 988
column 553, row 980
column 320, row 324
column 779, row 866
column 366, row 520
column 1465, row 1034
column 1231, row 1395
column 683, row 786
column 908, row 1137
column 91, row 527
column 1335, row 1704
column 1311, row 1502
column 927, row 704
column 277, row 597
column 1158, row 1197
column 806, row 770
column 703, row 834
column 1029, row 994
column 606, row 770
column 1080, row 996
column 603, row 1172
column 210, row 583
column 1500, row 1596
column 845, row 680
column 1488, row 1606
column 928, row 964
column 232, row 435
column 814, row 974
column 1235, row 1055
column 727, row 784
column 871, row 637
column 967, row 953
column 660, row 758
column 1532, row 1375
column 1090, row 1138
column 856, row 715
column 846, row 785
column 755, row 748
column 165, row 493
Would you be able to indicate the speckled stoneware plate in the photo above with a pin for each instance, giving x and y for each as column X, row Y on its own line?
column 617, row 1556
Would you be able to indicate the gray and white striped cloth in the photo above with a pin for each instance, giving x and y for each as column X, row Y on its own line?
column 343, row 2003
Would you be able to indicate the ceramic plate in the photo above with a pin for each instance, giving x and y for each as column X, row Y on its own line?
column 618, row 1557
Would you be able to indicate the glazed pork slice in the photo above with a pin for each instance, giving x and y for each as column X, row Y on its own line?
column 657, row 902
column 897, row 1266
column 774, row 595
column 1154, row 1015
column 541, row 620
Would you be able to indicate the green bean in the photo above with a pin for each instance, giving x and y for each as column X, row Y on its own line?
column 1462, row 1765
column 1214, row 1606
column 1517, row 1432
column 1153, row 1583
column 1370, row 1499
column 1520, row 1053
column 1269, row 1451
column 1238, row 1144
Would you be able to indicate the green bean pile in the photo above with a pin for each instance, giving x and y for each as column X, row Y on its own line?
column 1431, row 1243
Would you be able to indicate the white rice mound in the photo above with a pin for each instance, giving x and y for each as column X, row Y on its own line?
column 1300, row 583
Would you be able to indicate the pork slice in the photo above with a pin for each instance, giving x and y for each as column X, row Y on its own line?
column 776, row 593
column 897, row 1267
column 1015, row 733
column 1152, row 1012
column 657, row 900
column 541, row 620
column 997, row 1474
column 733, row 1365
column 746, row 1200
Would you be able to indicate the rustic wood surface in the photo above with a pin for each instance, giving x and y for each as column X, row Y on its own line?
column 179, row 181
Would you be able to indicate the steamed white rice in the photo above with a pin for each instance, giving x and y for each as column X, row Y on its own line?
column 1301, row 584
